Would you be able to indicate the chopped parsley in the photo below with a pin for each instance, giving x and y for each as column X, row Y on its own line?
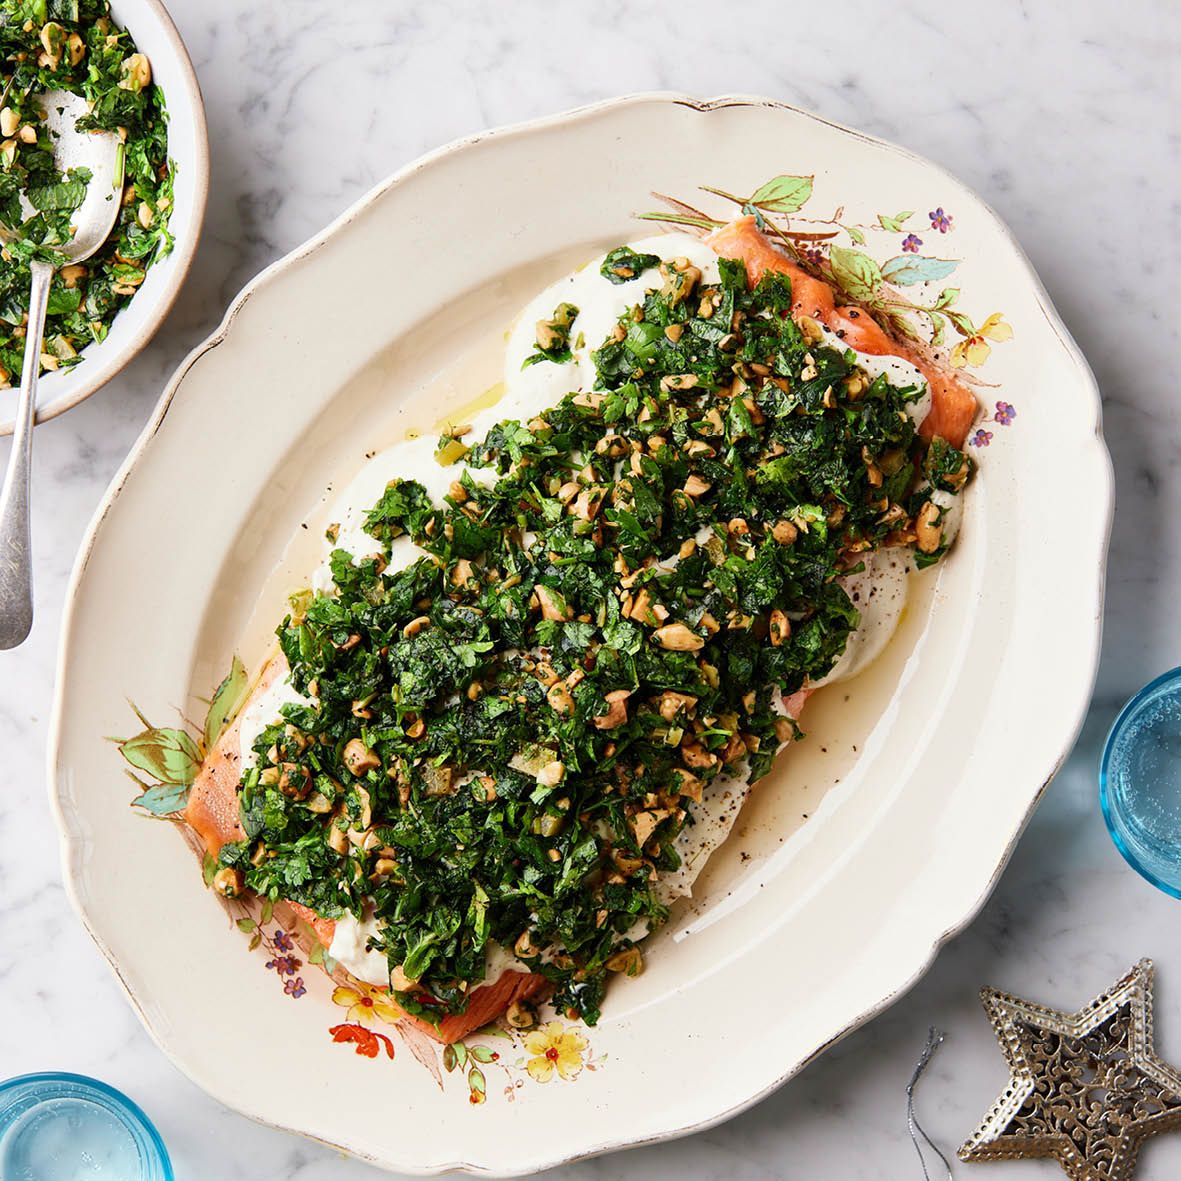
column 507, row 736
column 73, row 45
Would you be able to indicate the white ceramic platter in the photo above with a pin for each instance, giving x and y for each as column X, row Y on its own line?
column 915, row 788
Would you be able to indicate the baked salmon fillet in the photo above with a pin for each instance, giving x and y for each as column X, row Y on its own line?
column 630, row 751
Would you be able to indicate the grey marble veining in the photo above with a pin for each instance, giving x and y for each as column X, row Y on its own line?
column 1064, row 118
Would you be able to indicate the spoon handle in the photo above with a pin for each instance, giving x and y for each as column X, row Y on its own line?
column 16, row 570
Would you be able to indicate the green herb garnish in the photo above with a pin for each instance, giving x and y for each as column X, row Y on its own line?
column 507, row 736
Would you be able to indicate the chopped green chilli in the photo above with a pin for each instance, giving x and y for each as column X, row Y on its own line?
column 502, row 739
column 73, row 45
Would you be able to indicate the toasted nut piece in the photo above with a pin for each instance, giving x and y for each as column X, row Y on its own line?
column 28, row 134
column 521, row 1015
column 927, row 529
column 956, row 479
column 365, row 839
column 137, row 72
column 337, row 841
column 416, row 729
column 229, row 882
column 383, row 867
column 9, row 122
column 630, row 961
column 295, row 780
column 780, row 628
column 551, row 774
column 53, row 38
column 525, row 946
column 856, row 384
column 734, row 749
column 695, row 755
column 550, row 604
column 359, row 758
column 785, row 729
column 587, row 503
column 674, row 332
column 553, row 334
column 679, row 279
column 545, row 674
column 462, row 573
column 644, row 824
column 672, row 703
column 616, row 713
column 568, row 492
column 695, row 486
column 689, row 785
column 678, row 638
column 75, row 49
column 559, row 698
column 72, row 273
column 811, row 330
column 366, row 817
column 319, row 803
column 784, row 532
column 416, row 625
column 678, row 381
column 439, row 781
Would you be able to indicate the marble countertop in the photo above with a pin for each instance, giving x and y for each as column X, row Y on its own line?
column 1068, row 127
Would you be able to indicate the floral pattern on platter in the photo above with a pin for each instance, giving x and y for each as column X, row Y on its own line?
column 897, row 284
column 552, row 1051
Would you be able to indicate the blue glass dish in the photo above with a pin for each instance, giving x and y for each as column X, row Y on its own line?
column 1140, row 782
column 65, row 1127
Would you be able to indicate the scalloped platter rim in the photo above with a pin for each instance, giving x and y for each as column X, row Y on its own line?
column 822, row 928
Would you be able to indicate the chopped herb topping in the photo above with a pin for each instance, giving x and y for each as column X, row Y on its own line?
column 623, row 264
column 73, row 45
column 553, row 336
column 506, row 737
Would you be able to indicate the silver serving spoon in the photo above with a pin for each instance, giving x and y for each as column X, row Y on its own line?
column 92, row 222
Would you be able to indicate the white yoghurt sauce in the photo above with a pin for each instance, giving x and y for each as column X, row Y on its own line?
column 879, row 593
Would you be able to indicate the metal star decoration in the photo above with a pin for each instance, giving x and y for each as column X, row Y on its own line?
column 1086, row 1088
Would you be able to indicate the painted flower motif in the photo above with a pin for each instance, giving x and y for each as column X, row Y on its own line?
column 981, row 438
column 813, row 254
column 283, row 941
column 554, row 1048
column 1004, row 413
column 939, row 220
column 974, row 349
column 368, row 1044
column 364, row 1002
column 294, row 988
column 285, row 965
column 911, row 243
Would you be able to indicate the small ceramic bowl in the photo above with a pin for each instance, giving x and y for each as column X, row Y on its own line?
column 1140, row 782
column 58, row 1127
column 188, row 145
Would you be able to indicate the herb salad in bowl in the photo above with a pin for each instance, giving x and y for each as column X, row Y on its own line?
column 591, row 683
column 129, row 65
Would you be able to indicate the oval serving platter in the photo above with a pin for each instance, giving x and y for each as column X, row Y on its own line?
column 867, row 847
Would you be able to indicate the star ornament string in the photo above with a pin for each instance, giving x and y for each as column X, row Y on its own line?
column 1085, row 1088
